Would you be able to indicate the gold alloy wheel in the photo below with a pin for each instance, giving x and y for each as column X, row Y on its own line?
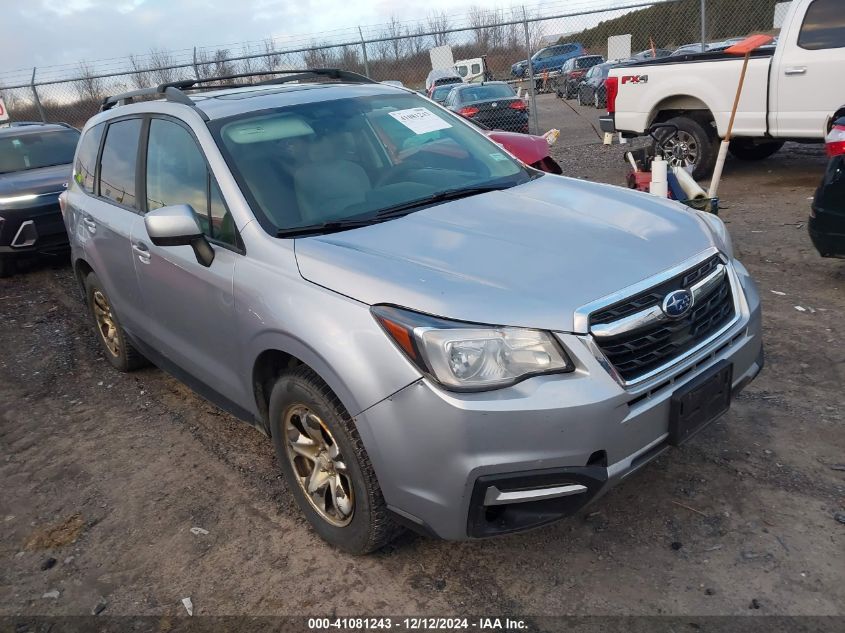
column 318, row 465
column 105, row 323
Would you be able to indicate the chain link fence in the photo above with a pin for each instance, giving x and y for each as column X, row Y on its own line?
column 491, row 44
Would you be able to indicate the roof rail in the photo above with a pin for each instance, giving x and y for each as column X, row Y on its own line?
column 29, row 123
column 174, row 90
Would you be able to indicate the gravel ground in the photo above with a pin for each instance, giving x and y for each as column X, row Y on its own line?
column 103, row 475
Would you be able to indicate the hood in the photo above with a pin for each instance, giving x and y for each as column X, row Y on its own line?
column 37, row 181
column 526, row 147
column 527, row 256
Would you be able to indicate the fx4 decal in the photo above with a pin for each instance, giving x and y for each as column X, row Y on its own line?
column 635, row 79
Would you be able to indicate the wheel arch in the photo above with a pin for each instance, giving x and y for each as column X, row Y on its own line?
column 275, row 354
column 836, row 115
column 81, row 270
column 682, row 105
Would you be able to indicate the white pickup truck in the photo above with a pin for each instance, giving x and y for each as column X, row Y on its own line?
column 792, row 91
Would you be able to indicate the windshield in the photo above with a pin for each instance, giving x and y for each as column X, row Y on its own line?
column 32, row 150
column 485, row 92
column 336, row 161
column 588, row 62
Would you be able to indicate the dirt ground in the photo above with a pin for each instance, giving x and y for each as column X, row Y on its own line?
column 103, row 475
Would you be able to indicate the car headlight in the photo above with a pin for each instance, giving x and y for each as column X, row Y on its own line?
column 470, row 357
column 719, row 231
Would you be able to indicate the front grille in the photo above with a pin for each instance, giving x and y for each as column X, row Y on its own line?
column 636, row 353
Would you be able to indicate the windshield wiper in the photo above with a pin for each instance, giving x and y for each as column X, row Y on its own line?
column 325, row 227
column 441, row 196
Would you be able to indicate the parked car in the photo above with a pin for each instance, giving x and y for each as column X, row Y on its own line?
column 432, row 334
column 591, row 90
column 788, row 92
column 689, row 49
column 648, row 53
column 439, row 93
column 550, row 58
column 493, row 104
column 35, row 166
column 441, row 77
column 566, row 84
column 531, row 149
column 827, row 217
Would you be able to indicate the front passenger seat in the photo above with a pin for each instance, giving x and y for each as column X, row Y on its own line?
column 327, row 185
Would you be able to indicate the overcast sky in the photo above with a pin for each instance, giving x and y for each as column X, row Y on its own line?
column 47, row 32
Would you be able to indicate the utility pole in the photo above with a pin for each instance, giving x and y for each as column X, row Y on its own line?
column 531, row 87
column 364, row 51
column 37, row 100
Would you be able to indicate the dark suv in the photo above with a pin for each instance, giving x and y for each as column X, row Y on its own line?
column 573, row 72
column 35, row 165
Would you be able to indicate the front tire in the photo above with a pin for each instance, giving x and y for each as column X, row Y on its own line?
column 747, row 149
column 326, row 466
column 115, row 344
column 694, row 148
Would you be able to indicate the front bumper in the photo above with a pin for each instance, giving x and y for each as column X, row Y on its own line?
column 439, row 454
column 32, row 230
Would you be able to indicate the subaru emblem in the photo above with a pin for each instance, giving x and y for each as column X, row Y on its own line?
column 677, row 304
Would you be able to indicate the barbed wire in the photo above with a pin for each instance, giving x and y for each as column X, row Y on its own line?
column 185, row 57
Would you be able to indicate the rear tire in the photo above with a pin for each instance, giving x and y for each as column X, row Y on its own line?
column 318, row 445
column 113, row 340
column 697, row 147
column 8, row 267
column 747, row 149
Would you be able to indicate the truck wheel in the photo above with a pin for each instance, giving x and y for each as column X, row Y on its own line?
column 8, row 267
column 326, row 466
column 747, row 149
column 116, row 346
column 694, row 147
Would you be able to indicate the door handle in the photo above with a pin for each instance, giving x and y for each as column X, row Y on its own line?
column 795, row 70
column 142, row 251
column 89, row 224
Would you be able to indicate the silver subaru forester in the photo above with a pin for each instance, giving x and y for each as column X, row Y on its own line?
column 434, row 335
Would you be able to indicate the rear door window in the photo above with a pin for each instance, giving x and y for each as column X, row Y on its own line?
column 86, row 158
column 824, row 26
column 117, row 165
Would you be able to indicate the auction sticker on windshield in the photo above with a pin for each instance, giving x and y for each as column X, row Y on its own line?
column 420, row 120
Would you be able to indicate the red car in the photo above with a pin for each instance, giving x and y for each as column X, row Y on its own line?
column 530, row 149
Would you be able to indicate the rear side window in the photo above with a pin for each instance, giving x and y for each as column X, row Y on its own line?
column 476, row 68
column 824, row 26
column 86, row 158
column 117, row 165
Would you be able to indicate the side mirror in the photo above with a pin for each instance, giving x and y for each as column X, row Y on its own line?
column 176, row 225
